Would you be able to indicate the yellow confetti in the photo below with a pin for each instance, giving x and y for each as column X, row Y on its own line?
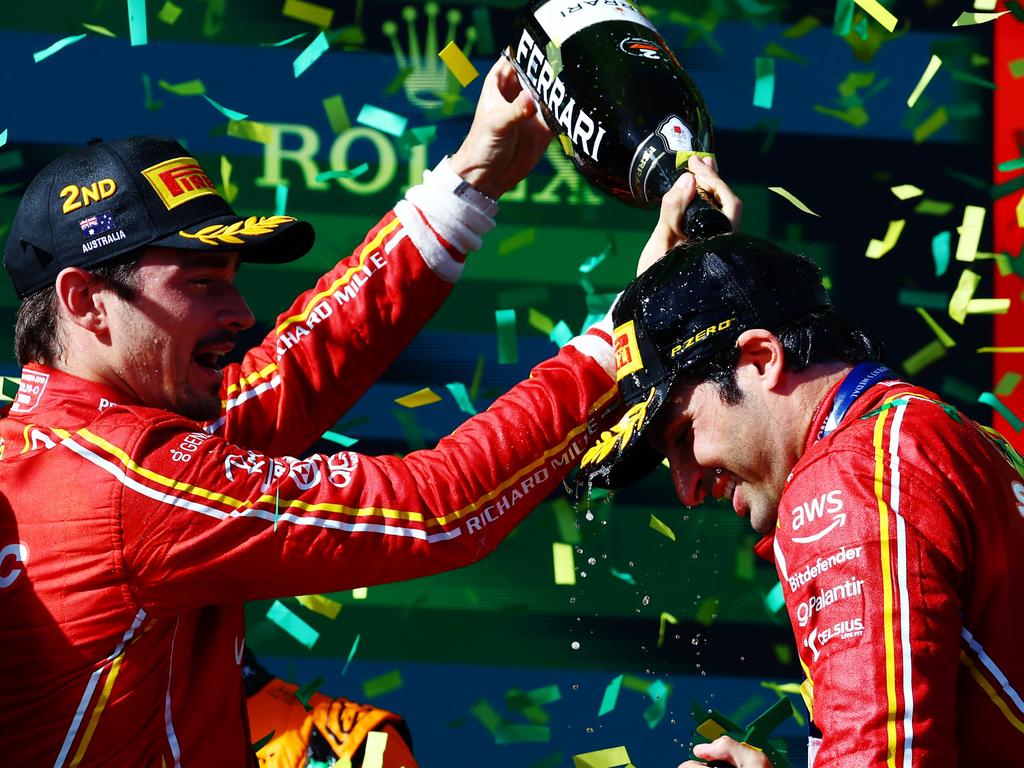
column 962, row 295
column 376, row 743
column 314, row 14
column 879, row 13
column 929, row 73
column 360, row 593
column 419, row 398
column 230, row 190
column 988, row 306
column 946, row 340
column 251, row 130
column 603, row 758
column 566, row 144
column 998, row 350
column 710, row 730
column 460, row 66
column 931, row 124
column 565, row 570
column 99, row 30
column 665, row 617
column 685, row 154
column 661, row 528
column 320, row 604
column 967, row 19
column 1020, row 212
column 878, row 248
column 928, row 354
column 906, row 191
column 970, row 233
column 793, row 199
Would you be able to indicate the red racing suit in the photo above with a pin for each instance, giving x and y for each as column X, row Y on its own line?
column 900, row 547
column 130, row 537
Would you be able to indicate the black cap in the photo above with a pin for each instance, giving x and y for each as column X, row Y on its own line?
column 111, row 197
column 678, row 316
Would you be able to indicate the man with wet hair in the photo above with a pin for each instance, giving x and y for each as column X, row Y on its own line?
column 895, row 522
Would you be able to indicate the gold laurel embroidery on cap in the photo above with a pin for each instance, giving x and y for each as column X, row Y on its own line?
column 619, row 435
column 220, row 234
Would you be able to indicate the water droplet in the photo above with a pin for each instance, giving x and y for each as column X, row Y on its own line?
column 589, row 516
column 589, row 729
column 591, row 561
column 646, row 600
column 575, row 645
column 572, row 600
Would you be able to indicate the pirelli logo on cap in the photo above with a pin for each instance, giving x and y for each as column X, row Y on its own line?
column 179, row 180
column 627, row 353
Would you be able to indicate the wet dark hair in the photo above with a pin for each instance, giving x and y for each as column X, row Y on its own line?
column 822, row 336
column 37, row 332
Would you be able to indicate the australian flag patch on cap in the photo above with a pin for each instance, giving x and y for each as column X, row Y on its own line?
column 96, row 225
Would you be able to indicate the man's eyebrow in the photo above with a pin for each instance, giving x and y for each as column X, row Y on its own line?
column 211, row 261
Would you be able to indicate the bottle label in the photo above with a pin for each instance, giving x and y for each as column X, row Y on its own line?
column 561, row 19
column 655, row 158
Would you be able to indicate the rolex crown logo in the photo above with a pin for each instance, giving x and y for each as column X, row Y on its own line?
column 429, row 85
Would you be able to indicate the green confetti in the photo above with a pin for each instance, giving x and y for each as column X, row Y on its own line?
column 317, row 47
column 382, row 120
column 378, row 686
column 169, row 13
column 777, row 51
column 516, row 733
column 927, row 299
column 931, row 124
column 282, row 43
column 337, row 115
column 280, row 199
column 987, row 398
column 340, row 439
column 151, row 104
column 11, row 159
column 292, row 624
column 1008, row 383
column 399, row 80
column 422, row 135
column 537, row 319
column 764, row 81
column 58, row 46
column 1011, row 165
column 478, row 375
column 967, row 77
column 941, row 252
column 461, row 395
column 561, row 334
column 588, row 266
column 623, row 576
column 508, row 346
column 1017, row 67
column 928, row 354
column 344, row 173
column 774, row 600
column 187, row 88
column 842, row 22
column 665, row 617
column 956, row 389
column 99, row 30
column 658, row 692
column 351, row 654
column 802, row 27
column 3, row 137
column 410, row 429
column 706, row 612
column 304, row 693
column 229, row 113
column 933, row 207
column 661, row 528
column 257, row 746
column 137, row 22
column 745, row 566
column 519, row 240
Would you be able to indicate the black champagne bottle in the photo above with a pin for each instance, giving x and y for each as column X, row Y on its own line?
column 617, row 98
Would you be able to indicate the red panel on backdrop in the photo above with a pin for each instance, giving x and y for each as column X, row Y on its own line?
column 1008, row 236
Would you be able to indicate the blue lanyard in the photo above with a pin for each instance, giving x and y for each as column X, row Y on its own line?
column 857, row 382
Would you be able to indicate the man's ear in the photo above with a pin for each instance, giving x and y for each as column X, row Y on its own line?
column 762, row 353
column 82, row 299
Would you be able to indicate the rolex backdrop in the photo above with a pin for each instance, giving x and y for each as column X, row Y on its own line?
column 606, row 621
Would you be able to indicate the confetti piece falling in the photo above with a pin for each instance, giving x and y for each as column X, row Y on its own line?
column 229, row 113
column 1008, row 383
column 944, row 338
column 1011, row 165
column 351, row 654
column 658, row 692
column 998, row 350
column 906, row 191
column 292, row 624
column 419, row 398
column 962, row 295
column 566, row 145
column 616, row 757
column 537, row 319
column 929, row 73
column 588, row 266
column 1017, row 68
column 519, row 240
column 802, row 27
column 58, row 46
column 930, row 299
column 282, row 43
column 987, row 398
column 842, row 21
column 280, row 199
column 378, row 686
column 561, row 334
column 383, row 120
column 325, row 606
column 967, row 19
column 1020, row 212
column 508, row 346
column 99, row 30
column 137, row 22
column 343, row 440
column 774, row 600
column 928, row 354
column 345, row 173
column 879, row 13
column 458, row 64
column 169, row 13
column 933, row 207
column 706, row 612
column 3, row 137
column 610, row 697
column 360, row 593
column 186, row 88
column 661, row 528
column 665, row 617
column 230, row 190
column 988, row 306
column 934, row 122
column 565, row 571
column 317, row 48
column 970, row 233
column 792, row 199
column 314, row 14
column 623, row 576
column 764, row 82
column 376, row 743
column 250, row 130
column 878, row 248
column 337, row 114
column 566, row 521
column 461, row 396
